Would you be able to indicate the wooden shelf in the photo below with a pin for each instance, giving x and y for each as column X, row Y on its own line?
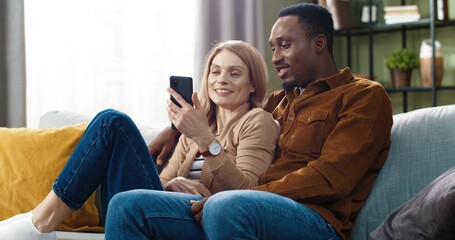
column 369, row 30
column 418, row 89
column 388, row 28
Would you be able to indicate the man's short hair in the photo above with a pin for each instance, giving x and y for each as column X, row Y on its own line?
column 315, row 20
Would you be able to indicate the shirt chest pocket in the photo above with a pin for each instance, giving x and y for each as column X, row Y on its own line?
column 307, row 135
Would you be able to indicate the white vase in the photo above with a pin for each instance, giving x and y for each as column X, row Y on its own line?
column 426, row 53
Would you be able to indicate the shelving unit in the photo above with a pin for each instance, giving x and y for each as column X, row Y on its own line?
column 372, row 29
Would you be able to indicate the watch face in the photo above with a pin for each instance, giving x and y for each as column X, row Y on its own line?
column 215, row 148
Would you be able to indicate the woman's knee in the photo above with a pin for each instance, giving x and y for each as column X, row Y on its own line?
column 112, row 115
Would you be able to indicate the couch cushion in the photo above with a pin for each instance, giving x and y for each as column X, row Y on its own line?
column 30, row 160
column 55, row 119
column 423, row 147
column 428, row 215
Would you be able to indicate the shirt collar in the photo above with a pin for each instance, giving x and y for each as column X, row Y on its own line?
column 341, row 78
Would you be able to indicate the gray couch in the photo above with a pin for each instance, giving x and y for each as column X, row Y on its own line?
column 423, row 147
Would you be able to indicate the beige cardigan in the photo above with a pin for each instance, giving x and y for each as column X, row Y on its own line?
column 248, row 139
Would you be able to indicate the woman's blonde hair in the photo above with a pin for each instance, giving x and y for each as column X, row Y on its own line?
column 257, row 73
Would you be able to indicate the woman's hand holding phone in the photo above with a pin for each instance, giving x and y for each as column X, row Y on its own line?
column 190, row 120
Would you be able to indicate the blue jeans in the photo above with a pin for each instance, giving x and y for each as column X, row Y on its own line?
column 236, row 214
column 111, row 153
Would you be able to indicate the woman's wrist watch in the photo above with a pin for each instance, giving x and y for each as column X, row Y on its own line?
column 215, row 149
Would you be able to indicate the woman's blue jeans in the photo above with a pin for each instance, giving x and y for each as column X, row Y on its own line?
column 236, row 214
column 111, row 153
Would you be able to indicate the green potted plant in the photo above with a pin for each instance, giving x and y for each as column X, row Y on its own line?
column 401, row 63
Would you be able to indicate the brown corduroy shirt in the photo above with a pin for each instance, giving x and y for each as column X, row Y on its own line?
column 334, row 139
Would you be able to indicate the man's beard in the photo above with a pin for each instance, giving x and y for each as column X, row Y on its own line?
column 289, row 85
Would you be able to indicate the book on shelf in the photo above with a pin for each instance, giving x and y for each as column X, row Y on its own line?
column 401, row 8
column 442, row 9
column 401, row 14
column 341, row 12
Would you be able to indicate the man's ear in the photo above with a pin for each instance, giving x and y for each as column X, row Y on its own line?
column 320, row 43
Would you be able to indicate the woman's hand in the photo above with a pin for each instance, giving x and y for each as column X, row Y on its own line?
column 190, row 121
column 161, row 147
column 184, row 185
column 197, row 207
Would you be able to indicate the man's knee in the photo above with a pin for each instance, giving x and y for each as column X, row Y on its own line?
column 227, row 213
column 122, row 206
column 227, row 203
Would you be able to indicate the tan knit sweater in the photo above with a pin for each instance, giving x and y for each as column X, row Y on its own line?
column 248, row 139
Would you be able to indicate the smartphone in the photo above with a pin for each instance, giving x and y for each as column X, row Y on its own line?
column 184, row 87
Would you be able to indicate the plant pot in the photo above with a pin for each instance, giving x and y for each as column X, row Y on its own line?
column 400, row 78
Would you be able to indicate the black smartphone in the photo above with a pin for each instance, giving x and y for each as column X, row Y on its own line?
column 184, row 87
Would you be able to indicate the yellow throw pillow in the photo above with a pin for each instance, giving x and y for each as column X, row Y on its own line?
column 30, row 161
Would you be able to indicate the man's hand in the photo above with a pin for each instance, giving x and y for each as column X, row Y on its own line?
column 196, row 208
column 185, row 185
column 162, row 145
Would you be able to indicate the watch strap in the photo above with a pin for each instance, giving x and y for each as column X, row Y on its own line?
column 206, row 153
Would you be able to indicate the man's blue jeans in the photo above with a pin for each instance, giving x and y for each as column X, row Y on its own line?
column 236, row 214
column 111, row 153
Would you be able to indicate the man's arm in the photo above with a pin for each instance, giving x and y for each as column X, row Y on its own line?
column 161, row 147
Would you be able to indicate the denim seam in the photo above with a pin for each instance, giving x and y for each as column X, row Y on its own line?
column 63, row 197
column 135, row 151
column 162, row 215
column 76, row 170
column 296, row 217
column 167, row 215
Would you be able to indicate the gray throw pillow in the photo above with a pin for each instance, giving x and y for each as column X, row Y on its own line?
column 428, row 215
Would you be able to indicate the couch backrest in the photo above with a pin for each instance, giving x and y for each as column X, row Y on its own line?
column 53, row 119
column 423, row 147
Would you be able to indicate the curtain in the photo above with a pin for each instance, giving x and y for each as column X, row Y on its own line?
column 221, row 20
column 12, row 64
